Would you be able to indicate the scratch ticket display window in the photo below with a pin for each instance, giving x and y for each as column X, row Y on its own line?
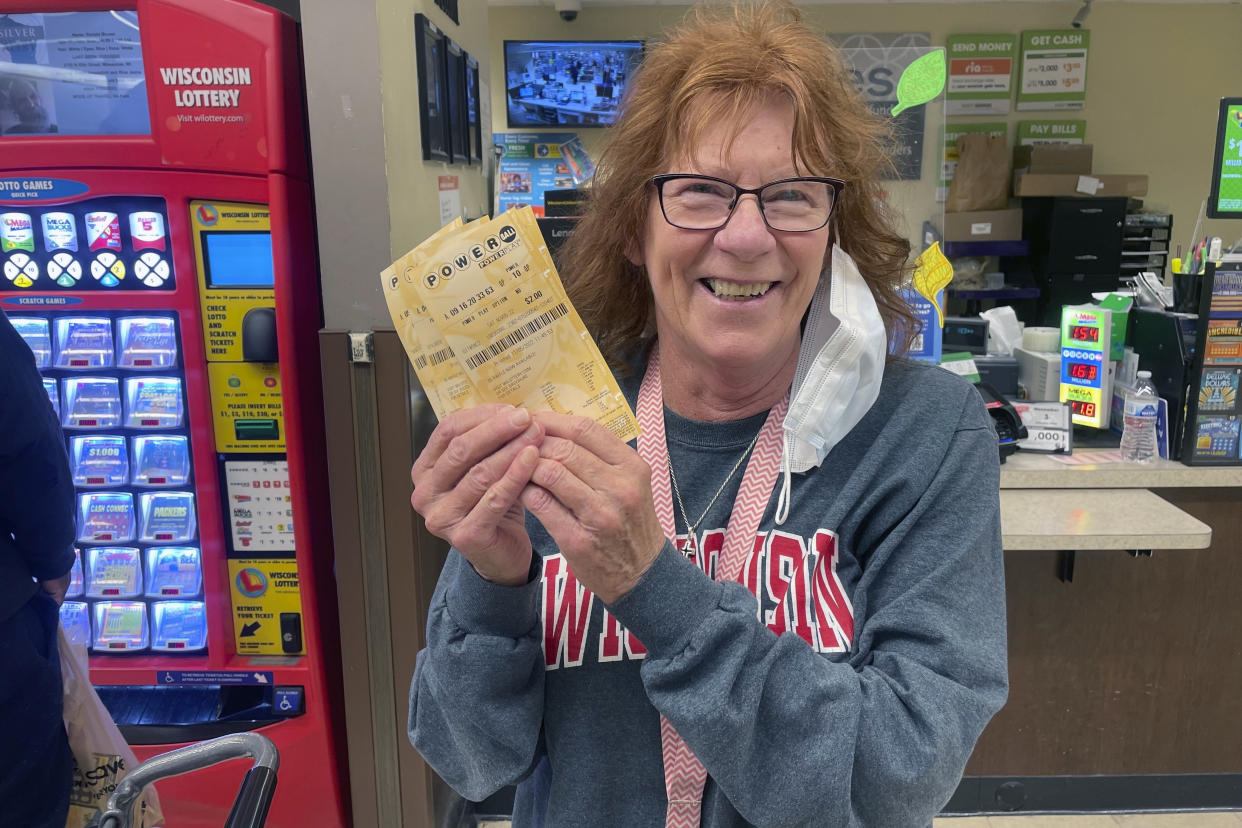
column 116, row 381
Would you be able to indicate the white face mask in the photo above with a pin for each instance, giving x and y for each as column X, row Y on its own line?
column 840, row 366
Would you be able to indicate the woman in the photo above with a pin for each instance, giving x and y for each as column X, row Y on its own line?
column 785, row 606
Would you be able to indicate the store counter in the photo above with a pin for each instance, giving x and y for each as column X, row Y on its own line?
column 1028, row 470
column 1048, row 504
column 1125, row 661
column 1082, row 519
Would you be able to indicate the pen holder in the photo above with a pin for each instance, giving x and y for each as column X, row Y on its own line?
column 1186, row 289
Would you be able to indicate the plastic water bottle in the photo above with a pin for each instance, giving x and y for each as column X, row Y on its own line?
column 1138, row 433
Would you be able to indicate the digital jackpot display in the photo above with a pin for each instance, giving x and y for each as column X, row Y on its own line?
column 1085, row 385
column 1225, row 199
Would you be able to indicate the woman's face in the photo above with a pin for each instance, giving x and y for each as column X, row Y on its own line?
column 734, row 297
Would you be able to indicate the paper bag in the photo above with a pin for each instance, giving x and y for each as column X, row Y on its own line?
column 981, row 179
column 101, row 757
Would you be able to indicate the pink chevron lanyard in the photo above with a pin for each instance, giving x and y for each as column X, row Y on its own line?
column 684, row 775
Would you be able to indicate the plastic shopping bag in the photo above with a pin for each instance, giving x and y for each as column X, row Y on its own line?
column 100, row 755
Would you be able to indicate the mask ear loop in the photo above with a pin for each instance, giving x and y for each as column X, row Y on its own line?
column 782, row 502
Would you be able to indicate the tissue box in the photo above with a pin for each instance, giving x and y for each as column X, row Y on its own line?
column 983, row 225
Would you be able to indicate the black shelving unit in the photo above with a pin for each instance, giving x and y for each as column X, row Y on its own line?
column 1145, row 239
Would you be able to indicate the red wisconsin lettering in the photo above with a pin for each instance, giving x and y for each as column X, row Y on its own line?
column 750, row 572
column 610, row 641
column 834, row 615
column 709, row 554
column 566, row 612
column 785, row 554
column 794, row 610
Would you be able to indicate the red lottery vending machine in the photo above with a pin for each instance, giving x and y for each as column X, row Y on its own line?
column 158, row 255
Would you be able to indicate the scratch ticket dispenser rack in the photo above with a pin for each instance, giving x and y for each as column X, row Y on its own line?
column 157, row 254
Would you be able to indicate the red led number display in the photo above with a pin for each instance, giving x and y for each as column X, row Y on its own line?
column 1082, row 408
column 1082, row 333
column 1084, row 371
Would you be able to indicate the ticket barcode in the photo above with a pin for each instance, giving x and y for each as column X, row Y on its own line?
column 440, row 356
column 513, row 337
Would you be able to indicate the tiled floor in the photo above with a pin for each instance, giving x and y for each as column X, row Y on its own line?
column 1197, row 819
column 1202, row 819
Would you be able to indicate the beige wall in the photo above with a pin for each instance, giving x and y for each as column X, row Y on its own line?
column 413, row 195
column 375, row 197
column 1155, row 74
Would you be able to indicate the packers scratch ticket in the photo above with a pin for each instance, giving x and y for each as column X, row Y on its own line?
column 484, row 317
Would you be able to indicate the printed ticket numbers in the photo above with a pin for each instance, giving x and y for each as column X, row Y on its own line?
column 491, row 292
column 446, row 385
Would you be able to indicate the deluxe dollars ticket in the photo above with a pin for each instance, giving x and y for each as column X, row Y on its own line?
column 484, row 318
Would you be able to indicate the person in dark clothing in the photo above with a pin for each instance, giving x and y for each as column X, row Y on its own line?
column 36, row 555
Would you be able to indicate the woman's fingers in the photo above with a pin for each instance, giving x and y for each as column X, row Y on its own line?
column 474, row 442
column 502, row 495
column 587, row 433
column 464, row 438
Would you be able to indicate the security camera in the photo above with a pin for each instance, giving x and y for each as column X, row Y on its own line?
column 1081, row 17
column 568, row 9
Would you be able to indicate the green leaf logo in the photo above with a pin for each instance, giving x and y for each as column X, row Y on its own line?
column 921, row 81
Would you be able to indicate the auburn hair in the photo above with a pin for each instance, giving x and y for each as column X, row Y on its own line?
column 717, row 67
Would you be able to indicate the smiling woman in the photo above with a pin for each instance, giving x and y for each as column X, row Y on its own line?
column 784, row 605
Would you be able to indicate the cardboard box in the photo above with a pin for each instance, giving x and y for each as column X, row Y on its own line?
column 983, row 225
column 1051, row 159
column 1032, row 184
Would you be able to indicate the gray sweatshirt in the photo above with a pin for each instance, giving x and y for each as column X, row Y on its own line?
column 851, row 691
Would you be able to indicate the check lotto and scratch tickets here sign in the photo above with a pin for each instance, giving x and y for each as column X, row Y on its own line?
column 484, row 318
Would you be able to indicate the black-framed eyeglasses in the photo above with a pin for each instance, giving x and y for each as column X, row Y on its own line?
column 790, row 205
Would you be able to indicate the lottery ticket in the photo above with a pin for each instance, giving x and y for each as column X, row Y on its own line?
column 494, row 324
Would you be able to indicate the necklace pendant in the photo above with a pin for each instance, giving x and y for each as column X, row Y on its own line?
column 687, row 548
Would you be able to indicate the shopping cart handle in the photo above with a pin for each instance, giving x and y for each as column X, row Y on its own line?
column 253, row 800
column 250, row 807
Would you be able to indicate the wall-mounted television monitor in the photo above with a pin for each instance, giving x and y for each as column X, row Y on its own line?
column 1225, row 200
column 555, row 84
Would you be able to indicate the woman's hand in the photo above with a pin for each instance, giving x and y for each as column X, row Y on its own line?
column 467, row 482
column 592, row 493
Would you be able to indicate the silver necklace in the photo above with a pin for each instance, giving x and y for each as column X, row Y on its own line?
column 690, row 546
